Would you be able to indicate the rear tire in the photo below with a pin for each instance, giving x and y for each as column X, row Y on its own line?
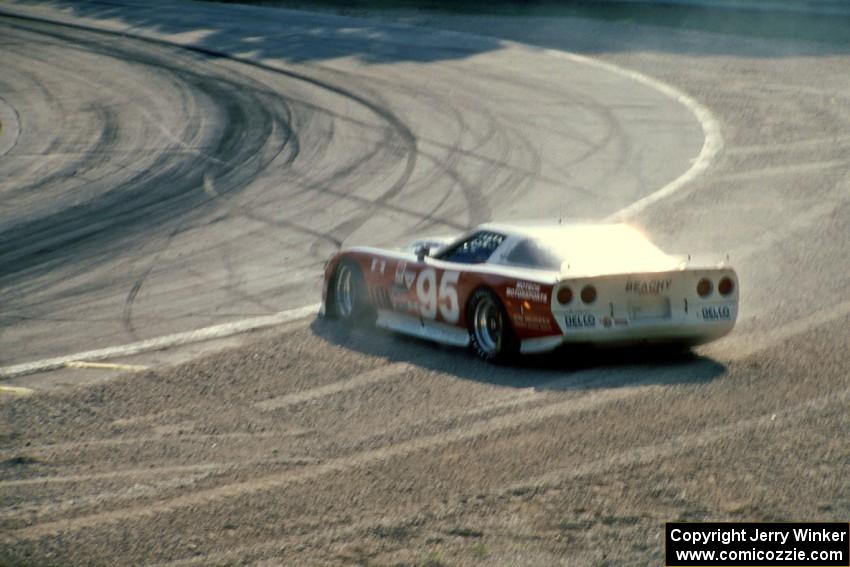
column 350, row 303
column 490, row 331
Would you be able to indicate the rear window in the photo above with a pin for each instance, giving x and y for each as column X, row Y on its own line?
column 528, row 253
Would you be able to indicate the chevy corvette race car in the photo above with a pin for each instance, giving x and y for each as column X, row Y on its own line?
column 511, row 288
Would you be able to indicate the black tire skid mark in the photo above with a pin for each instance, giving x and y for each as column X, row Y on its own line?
column 564, row 98
column 18, row 120
column 127, row 313
column 396, row 129
column 247, row 210
column 375, row 106
column 106, row 139
column 370, row 205
column 579, row 101
column 398, row 137
column 381, row 112
column 487, row 185
column 521, row 179
column 613, row 136
column 445, row 165
column 49, row 99
column 225, row 151
column 231, row 284
column 228, row 144
column 341, row 174
column 288, row 141
column 477, row 207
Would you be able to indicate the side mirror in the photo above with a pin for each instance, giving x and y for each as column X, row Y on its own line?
column 422, row 251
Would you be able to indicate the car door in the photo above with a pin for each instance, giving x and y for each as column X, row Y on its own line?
column 431, row 287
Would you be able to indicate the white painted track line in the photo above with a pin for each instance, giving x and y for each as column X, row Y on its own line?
column 158, row 343
column 710, row 128
column 15, row 391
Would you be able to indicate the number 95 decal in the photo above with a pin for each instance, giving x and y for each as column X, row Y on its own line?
column 442, row 298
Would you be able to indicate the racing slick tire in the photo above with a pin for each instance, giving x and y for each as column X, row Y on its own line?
column 350, row 296
column 490, row 331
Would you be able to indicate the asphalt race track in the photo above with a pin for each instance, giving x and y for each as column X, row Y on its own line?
column 110, row 234
column 164, row 169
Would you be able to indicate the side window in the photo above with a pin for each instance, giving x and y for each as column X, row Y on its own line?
column 528, row 253
column 474, row 250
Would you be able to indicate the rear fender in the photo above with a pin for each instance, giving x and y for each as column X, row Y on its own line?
column 526, row 303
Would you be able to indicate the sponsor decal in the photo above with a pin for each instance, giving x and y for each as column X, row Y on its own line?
column 438, row 294
column 532, row 322
column 527, row 290
column 644, row 287
column 579, row 320
column 402, row 304
column 399, row 273
column 403, row 277
column 401, row 300
column 380, row 297
column 716, row 312
column 379, row 265
column 409, row 277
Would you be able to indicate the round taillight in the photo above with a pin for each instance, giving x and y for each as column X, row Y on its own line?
column 726, row 286
column 565, row 295
column 704, row 287
column 588, row 294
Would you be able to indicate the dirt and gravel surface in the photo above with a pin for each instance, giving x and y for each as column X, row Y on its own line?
column 321, row 446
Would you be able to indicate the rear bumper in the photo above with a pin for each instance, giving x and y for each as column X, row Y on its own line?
column 637, row 308
column 688, row 334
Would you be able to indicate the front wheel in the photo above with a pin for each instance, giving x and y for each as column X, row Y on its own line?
column 490, row 329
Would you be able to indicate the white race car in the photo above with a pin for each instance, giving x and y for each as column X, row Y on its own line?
column 506, row 288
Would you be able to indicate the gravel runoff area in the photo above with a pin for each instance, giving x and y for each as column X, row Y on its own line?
column 324, row 447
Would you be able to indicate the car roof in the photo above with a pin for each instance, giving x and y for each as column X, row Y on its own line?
column 587, row 248
column 576, row 231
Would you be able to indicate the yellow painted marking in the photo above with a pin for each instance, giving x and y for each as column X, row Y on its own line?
column 15, row 390
column 105, row 366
